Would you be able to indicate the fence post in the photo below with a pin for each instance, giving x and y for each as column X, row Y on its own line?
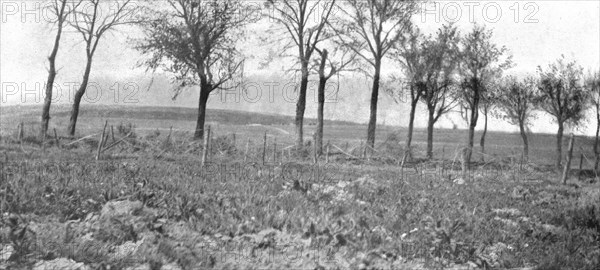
column 206, row 145
column 521, row 162
column 233, row 139
column 464, row 163
column 274, row 149
column 20, row 131
column 56, row 139
column 327, row 153
column 443, row 152
column 101, row 142
column 315, row 154
column 580, row 167
column 246, row 151
column 264, row 152
column 362, row 150
column 565, row 175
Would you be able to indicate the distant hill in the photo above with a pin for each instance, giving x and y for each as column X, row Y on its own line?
column 162, row 113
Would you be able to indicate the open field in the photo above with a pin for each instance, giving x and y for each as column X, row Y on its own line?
column 149, row 204
column 253, row 125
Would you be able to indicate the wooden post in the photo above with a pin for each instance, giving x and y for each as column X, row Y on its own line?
column 443, row 152
column 170, row 132
column 403, row 159
column 264, row 152
column 464, row 163
column 246, row 152
column 101, row 142
column 361, row 151
column 327, row 153
column 274, row 150
column 105, row 139
column 20, row 131
column 233, row 139
column 521, row 162
column 315, row 156
column 43, row 142
column 209, row 147
column 206, row 145
column 580, row 167
column 112, row 133
column 365, row 151
column 56, row 139
column 346, row 147
column 565, row 175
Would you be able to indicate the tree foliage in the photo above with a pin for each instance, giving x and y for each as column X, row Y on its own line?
column 516, row 100
column 561, row 93
column 429, row 65
column 196, row 41
column 481, row 61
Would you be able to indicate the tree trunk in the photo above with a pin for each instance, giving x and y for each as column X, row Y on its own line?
column 205, row 89
column 559, row 136
column 482, row 141
column 301, row 106
column 374, row 99
column 78, row 95
column 321, row 100
column 471, row 139
column 430, row 123
column 411, row 124
column 52, row 73
column 525, row 142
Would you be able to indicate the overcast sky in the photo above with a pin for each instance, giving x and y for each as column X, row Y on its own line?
column 535, row 35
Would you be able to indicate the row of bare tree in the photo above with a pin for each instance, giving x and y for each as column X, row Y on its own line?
column 197, row 42
column 92, row 22
column 445, row 71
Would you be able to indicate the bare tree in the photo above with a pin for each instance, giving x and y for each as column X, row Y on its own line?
column 59, row 9
column 480, row 60
column 592, row 83
column 562, row 95
column 304, row 23
column 515, row 101
column 370, row 28
column 196, row 42
column 329, row 65
column 92, row 21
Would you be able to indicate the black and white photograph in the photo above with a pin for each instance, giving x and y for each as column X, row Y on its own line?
column 299, row 134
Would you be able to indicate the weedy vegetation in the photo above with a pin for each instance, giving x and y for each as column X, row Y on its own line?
column 149, row 203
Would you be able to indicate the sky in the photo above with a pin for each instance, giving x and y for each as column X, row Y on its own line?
column 535, row 32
